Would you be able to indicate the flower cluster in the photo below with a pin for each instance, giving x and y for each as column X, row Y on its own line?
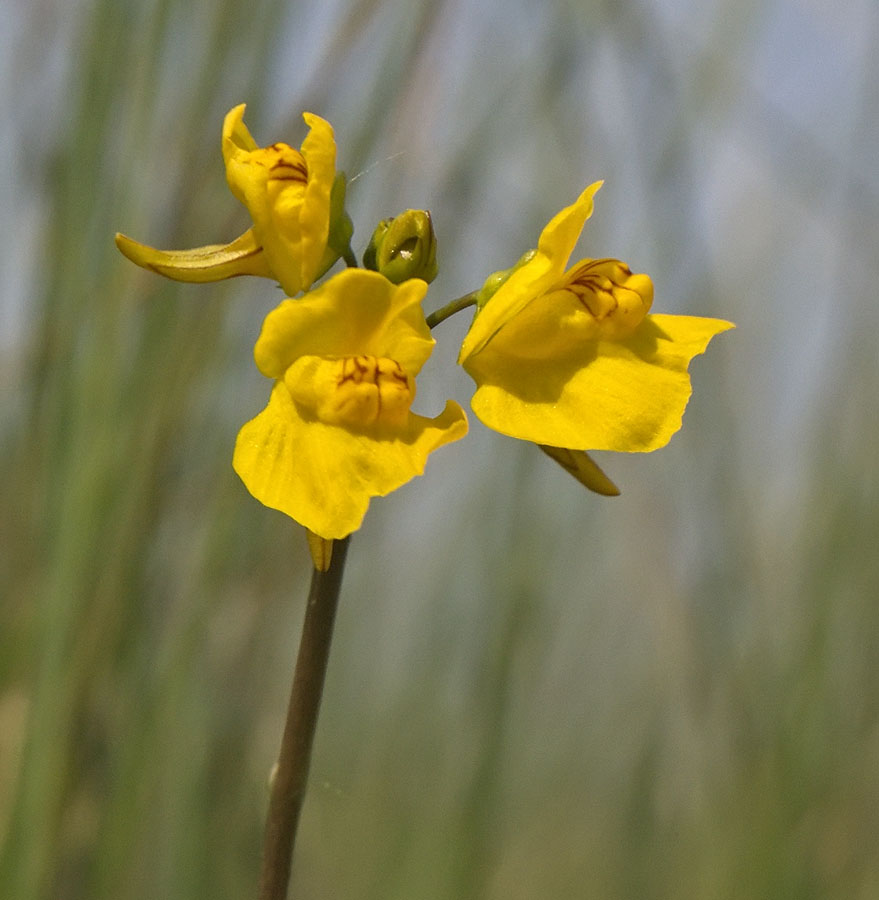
column 570, row 359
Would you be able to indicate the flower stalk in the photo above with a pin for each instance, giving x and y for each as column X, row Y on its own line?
column 291, row 775
column 443, row 313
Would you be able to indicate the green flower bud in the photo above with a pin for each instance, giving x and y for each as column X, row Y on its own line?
column 491, row 284
column 403, row 248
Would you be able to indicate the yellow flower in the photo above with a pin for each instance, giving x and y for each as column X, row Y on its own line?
column 338, row 428
column 289, row 195
column 572, row 359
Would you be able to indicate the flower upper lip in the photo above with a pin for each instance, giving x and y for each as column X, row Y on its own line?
column 536, row 276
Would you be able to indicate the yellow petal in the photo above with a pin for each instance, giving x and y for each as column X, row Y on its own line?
column 215, row 262
column 536, row 277
column 558, row 239
column 355, row 313
column 319, row 150
column 324, row 476
column 626, row 395
column 581, row 465
column 235, row 133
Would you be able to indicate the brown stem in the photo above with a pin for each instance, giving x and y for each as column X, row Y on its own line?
column 291, row 776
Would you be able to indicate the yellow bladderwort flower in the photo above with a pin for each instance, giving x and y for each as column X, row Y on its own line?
column 338, row 429
column 296, row 202
column 572, row 360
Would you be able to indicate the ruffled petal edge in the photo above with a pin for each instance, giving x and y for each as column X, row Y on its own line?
column 324, row 476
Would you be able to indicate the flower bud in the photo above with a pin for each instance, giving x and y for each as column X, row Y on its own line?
column 403, row 247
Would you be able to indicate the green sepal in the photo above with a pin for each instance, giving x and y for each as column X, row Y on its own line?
column 341, row 227
column 492, row 284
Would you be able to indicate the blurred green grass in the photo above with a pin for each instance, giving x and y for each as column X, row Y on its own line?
column 533, row 693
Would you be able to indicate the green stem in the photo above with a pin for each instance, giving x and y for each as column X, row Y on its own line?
column 450, row 309
column 291, row 776
column 350, row 258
